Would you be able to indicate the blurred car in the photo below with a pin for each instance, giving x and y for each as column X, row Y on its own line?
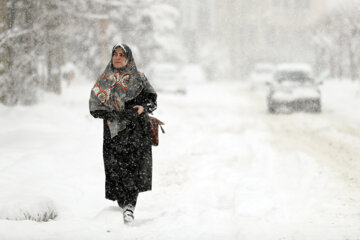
column 261, row 75
column 167, row 77
column 294, row 89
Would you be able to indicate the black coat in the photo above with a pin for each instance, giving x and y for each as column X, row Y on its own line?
column 128, row 156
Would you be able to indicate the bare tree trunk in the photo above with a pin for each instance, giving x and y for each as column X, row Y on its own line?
column 52, row 57
column 4, row 58
column 53, row 74
column 28, row 90
column 8, row 85
column 352, row 67
column 352, row 52
column 340, row 61
column 103, row 25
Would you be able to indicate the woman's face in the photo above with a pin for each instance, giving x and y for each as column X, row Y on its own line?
column 119, row 58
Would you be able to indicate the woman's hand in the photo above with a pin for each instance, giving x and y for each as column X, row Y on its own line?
column 140, row 109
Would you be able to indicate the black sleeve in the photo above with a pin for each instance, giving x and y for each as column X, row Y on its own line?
column 102, row 114
column 127, row 113
column 150, row 103
column 147, row 100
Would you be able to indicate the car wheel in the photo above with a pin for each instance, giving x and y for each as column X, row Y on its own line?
column 271, row 108
column 317, row 106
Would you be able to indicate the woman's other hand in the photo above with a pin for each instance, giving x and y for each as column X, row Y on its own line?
column 140, row 109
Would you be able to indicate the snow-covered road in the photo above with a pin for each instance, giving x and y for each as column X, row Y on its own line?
column 225, row 169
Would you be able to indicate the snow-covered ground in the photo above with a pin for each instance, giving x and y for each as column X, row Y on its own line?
column 225, row 169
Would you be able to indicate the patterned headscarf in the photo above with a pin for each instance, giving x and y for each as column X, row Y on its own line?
column 114, row 87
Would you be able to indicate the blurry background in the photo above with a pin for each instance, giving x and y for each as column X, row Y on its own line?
column 41, row 40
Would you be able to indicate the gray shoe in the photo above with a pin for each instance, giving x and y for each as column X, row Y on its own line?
column 128, row 214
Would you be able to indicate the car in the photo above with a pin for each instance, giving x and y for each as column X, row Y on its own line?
column 294, row 89
column 261, row 75
column 167, row 77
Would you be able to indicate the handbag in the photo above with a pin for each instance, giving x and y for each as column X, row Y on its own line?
column 154, row 127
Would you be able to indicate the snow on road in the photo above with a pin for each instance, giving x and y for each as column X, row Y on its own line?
column 224, row 169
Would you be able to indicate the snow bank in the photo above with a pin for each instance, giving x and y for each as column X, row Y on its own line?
column 22, row 207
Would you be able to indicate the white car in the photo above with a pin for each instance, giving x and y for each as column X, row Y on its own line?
column 294, row 89
column 167, row 77
column 261, row 75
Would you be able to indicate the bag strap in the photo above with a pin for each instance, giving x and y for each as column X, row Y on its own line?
column 162, row 129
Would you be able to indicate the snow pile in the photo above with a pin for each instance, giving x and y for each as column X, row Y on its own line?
column 20, row 207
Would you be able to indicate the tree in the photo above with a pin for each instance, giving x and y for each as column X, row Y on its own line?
column 43, row 34
column 336, row 42
column 18, row 80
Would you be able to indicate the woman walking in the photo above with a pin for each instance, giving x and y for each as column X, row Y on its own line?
column 123, row 97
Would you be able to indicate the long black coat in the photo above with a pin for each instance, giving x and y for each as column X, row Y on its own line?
column 128, row 156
